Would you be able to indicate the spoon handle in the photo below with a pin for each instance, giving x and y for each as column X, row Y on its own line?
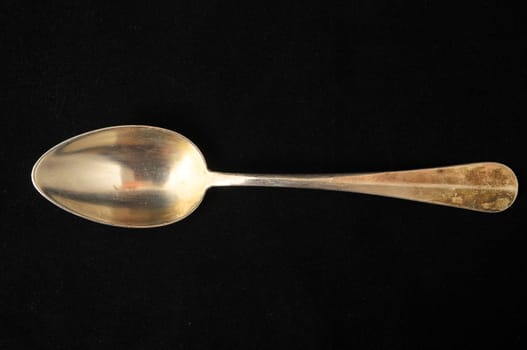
column 487, row 187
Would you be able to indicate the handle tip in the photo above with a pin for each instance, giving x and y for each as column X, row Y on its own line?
column 507, row 184
column 488, row 187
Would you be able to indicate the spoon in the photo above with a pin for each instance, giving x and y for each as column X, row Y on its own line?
column 145, row 176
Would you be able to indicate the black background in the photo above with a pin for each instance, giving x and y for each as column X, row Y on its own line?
column 356, row 86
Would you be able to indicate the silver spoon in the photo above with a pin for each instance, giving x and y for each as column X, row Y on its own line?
column 144, row 176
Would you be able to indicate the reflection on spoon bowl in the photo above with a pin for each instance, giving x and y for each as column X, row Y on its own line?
column 125, row 176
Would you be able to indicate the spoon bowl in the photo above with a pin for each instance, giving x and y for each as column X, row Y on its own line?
column 139, row 176
column 145, row 176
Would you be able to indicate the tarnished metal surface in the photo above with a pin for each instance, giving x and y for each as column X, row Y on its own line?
column 143, row 176
column 487, row 187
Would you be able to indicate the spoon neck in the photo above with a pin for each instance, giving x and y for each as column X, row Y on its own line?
column 264, row 180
